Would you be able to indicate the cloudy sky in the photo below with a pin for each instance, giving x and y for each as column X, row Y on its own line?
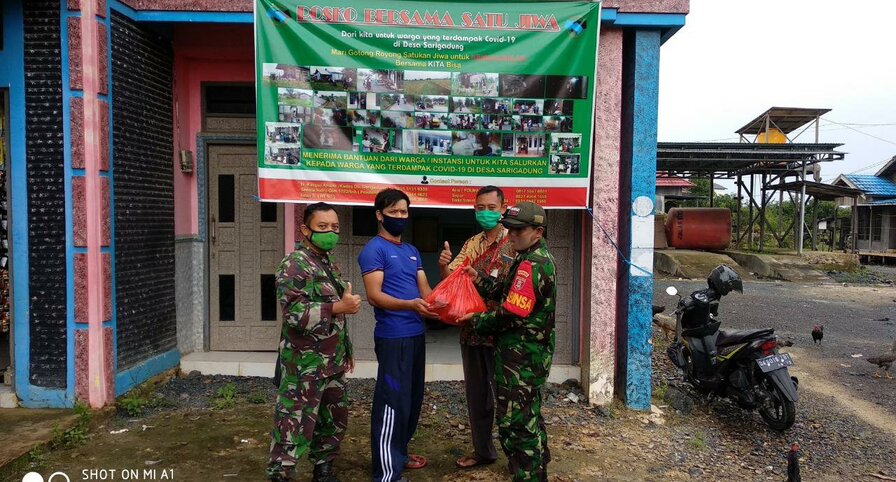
column 735, row 59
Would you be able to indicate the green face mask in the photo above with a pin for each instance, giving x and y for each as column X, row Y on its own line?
column 325, row 240
column 487, row 219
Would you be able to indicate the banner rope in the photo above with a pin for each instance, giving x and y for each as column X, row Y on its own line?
column 612, row 243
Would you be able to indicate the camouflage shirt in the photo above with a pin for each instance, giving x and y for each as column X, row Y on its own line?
column 523, row 322
column 314, row 343
column 486, row 258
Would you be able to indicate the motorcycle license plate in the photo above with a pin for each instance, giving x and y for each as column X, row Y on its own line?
column 774, row 362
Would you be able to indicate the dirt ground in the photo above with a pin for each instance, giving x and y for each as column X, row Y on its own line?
column 216, row 428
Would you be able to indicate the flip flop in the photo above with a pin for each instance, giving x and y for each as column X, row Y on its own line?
column 415, row 462
column 476, row 462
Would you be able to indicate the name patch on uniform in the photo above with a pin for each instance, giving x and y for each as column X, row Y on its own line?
column 521, row 299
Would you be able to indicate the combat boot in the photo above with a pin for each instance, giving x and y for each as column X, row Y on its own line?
column 324, row 473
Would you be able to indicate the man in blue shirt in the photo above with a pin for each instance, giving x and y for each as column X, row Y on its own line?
column 396, row 286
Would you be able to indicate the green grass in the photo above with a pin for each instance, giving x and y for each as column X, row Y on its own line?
column 132, row 405
column 317, row 85
column 296, row 84
column 257, row 398
column 428, row 87
column 77, row 434
column 659, row 392
column 226, row 397
column 294, row 102
column 698, row 441
column 33, row 461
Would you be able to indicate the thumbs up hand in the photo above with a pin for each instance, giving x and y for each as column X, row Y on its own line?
column 445, row 255
column 349, row 304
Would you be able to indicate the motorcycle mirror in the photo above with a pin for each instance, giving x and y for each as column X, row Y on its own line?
column 671, row 291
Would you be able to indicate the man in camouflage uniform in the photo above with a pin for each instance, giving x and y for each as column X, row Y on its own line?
column 491, row 253
column 311, row 413
column 523, row 328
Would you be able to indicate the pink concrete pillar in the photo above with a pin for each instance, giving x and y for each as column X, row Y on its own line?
column 90, row 201
column 599, row 352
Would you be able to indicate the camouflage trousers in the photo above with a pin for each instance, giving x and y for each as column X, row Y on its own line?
column 310, row 416
column 520, row 426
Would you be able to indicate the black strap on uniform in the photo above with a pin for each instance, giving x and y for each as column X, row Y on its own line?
column 340, row 290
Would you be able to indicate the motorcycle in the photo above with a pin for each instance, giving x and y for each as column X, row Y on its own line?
column 743, row 366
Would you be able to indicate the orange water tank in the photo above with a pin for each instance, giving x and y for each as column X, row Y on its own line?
column 698, row 228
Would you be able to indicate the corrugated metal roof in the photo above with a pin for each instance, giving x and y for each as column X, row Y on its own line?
column 785, row 119
column 672, row 181
column 873, row 185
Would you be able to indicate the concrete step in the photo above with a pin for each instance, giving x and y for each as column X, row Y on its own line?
column 782, row 267
column 8, row 397
column 690, row 264
column 261, row 364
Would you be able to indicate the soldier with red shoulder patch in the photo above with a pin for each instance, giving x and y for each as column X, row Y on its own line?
column 523, row 330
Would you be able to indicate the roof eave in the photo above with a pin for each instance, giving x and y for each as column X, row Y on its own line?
column 888, row 169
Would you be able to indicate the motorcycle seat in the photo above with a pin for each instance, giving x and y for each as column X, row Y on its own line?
column 732, row 337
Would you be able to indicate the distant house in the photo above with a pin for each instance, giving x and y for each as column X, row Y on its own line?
column 876, row 207
column 327, row 75
column 673, row 189
column 290, row 72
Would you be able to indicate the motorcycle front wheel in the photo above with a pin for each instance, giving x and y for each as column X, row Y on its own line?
column 779, row 413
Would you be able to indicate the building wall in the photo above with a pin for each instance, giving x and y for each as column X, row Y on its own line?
column 887, row 226
column 46, row 196
column 634, row 6
column 142, row 71
column 202, row 54
column 223, row 53
column 890, row 224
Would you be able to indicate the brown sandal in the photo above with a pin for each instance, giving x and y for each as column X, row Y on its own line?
column 415, row 462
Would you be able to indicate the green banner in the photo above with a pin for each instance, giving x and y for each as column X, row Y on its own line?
column 438, row 98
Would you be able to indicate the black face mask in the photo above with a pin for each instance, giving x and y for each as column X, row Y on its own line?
column 394, row 226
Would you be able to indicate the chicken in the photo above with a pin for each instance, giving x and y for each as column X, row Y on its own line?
column 884, row 361
column 793, row 463
column 817, row 333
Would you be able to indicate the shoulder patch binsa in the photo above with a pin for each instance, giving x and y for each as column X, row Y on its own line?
column 521, row 299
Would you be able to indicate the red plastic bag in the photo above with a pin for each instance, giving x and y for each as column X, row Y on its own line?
column 455, row 297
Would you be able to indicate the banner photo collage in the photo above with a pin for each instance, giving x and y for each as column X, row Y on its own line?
column 432, row 98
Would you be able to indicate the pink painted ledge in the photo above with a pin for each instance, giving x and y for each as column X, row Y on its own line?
column 627, row 6
column 75, row 5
